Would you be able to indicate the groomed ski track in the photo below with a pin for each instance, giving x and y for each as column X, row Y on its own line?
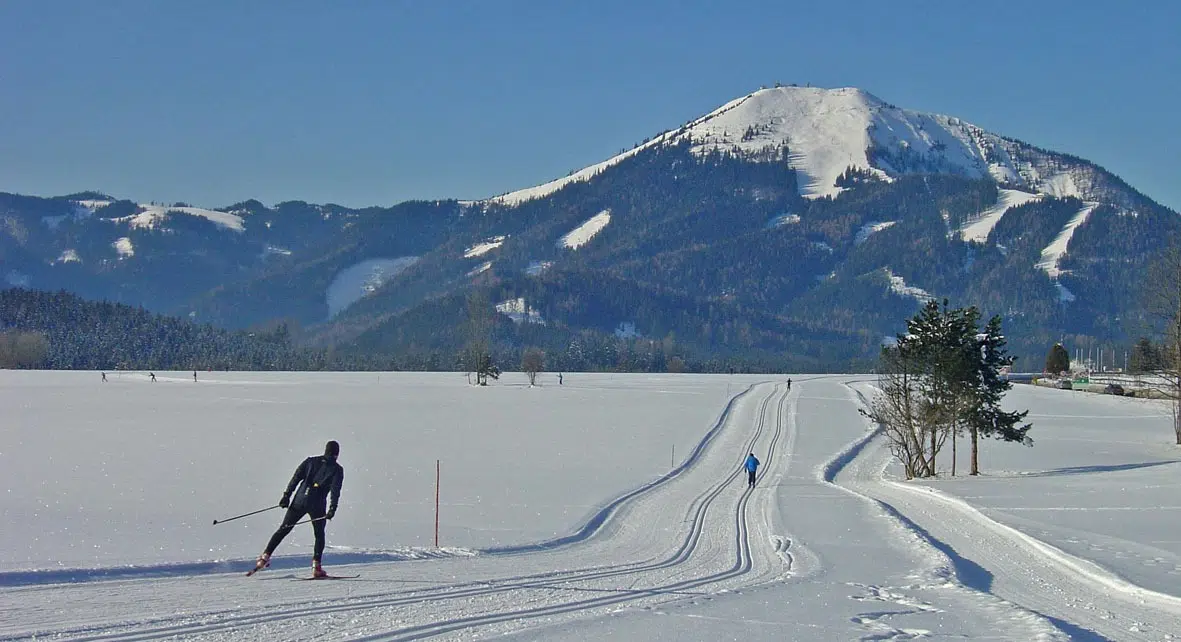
column 1080, row 598
column 696, row 534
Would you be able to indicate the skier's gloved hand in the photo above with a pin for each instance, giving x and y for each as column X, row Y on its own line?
column 331, row 513
column 284, row 502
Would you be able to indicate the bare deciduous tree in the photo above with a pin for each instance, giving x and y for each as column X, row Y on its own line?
column 532, row 362
column 900, row 410
column 1163, row 304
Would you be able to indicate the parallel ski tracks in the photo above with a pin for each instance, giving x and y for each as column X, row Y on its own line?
column 616, row 594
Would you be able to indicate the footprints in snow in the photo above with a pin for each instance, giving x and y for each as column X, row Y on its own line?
column 781, row 545
column 874, row 621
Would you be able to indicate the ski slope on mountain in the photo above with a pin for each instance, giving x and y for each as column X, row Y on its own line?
column 1052, row 253
column 828, row 131
column 829, row 545
column 980, row 226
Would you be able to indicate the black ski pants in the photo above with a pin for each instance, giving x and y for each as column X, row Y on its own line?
column 289, row 520
column 750, row 478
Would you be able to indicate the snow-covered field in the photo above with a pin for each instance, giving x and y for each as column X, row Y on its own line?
column 609, row 506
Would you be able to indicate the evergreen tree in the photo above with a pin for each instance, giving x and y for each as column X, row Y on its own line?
column 985, row 416
column 1145, row 358
column 1058, row 360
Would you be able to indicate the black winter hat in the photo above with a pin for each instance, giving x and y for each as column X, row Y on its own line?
column 332, row 449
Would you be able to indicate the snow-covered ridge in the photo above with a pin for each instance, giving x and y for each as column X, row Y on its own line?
column 587, row 173
column 151, row 216
column 830, row 130
column 587, row 230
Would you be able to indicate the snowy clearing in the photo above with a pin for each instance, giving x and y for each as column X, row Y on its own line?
column 980, row 226
column 69, row 256
column 898, row 286
column 480, row 269
column 123, row 247
column 608, row 506
column 868, row 229
column 519, row 311
column 484, row 247
column 537, row 267
column 355, row 282
column 1053, row 252
column 586, row 231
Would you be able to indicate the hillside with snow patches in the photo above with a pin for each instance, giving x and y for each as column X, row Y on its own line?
column 830, row 130
column 771, row 221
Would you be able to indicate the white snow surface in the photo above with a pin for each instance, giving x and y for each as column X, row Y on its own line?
column 69, row 256
column 783, row 219
column 868, row 229
column 830, row 130
column 610, row 507
column 355, row 282
column 123, row 247
column 537, row 267
column 484, row 247
column 980, row 226
column 519, row 311
column 586, row 231
column 898, row 286
column 480, row 269
column 151, row 216
column 1053, row 252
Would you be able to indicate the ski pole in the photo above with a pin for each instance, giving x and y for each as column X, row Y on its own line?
column 261, row 510
column 309, row 521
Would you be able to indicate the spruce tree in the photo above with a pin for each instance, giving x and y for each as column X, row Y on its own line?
column 1058, row 360
column 986, row 417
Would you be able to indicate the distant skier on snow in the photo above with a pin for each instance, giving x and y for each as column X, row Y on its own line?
column 319, row 478
column 752, row 465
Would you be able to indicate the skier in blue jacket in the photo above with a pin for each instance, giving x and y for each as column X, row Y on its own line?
column 752, row 465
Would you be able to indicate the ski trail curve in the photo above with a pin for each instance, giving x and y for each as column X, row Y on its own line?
column 1082, row 600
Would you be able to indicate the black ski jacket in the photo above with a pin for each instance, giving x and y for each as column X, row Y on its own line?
column 320, row 476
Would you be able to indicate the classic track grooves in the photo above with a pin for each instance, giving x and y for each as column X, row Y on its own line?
column 614, row 595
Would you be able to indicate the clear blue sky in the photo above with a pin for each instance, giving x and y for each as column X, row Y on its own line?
column 376, row 102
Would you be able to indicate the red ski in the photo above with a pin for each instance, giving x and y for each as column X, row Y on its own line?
column 329, row 577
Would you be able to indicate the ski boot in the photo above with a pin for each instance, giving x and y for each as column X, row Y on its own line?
column 317, row 570
column 262, row 562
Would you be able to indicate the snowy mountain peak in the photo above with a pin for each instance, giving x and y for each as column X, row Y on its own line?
column 827, row 131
